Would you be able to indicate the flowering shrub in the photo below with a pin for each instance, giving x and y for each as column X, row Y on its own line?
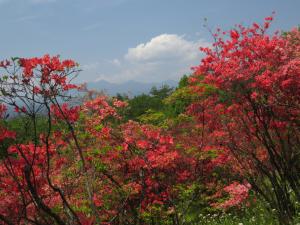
column 248, row 88
column 238, row 194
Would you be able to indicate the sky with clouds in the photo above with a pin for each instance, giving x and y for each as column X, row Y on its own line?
column 121, row 40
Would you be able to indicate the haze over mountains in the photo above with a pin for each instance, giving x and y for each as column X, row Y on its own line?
column 131, row 87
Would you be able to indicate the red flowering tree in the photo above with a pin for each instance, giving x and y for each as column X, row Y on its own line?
column 249, row 104
column 84, row 167
column 29, row 180
column 135, row 167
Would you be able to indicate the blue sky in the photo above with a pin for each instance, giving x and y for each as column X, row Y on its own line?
column 119, row 40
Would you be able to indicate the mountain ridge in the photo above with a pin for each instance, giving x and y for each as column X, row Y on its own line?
column 130, row 87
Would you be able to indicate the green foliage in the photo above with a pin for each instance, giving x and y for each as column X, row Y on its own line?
column 193, row 201
column 255, row 215
column 177, row 102
column 140, row 104
column 162, row 92
column 161, row 106
column 152, row 117
column 25, row 132
column 24, row 127
column 182, row 97
column 4, row 146
column 184, row 81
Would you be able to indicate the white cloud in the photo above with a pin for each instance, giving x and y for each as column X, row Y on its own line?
column 165, row 47
column 164, row 57
column 116, row 62
column 91, row 66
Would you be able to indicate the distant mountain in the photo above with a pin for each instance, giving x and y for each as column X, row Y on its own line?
column 131, row 87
